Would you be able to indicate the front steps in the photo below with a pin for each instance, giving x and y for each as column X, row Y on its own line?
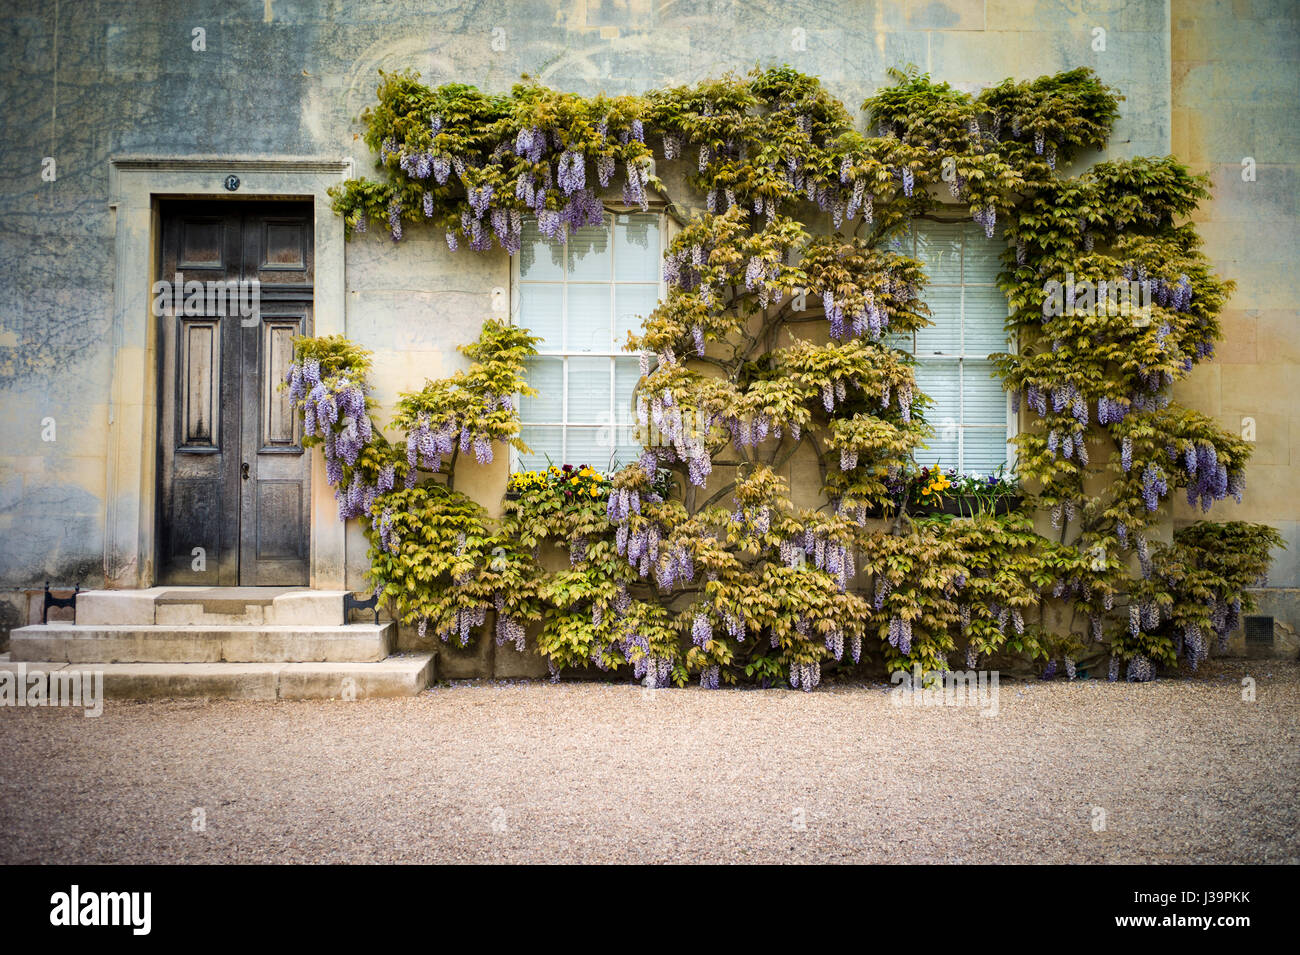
column 209, row 643
column 406, row 674
column 226, row 606
column 245, row 643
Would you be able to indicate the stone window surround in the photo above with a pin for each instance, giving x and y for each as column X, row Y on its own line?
column 136, row 183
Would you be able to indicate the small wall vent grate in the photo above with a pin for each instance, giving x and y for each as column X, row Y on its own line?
column 1259, row 631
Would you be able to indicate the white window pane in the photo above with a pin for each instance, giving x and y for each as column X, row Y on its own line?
column 985, row 450
column 547, row 376
column 590, row 321
column 589, row 254
column 627, row 372
column 632, row 305
column 589, row 391
column 983, row 400
column 540, row 311
column 982, row 257
column 592, row 446
column 636, row 248
column 940, row 383
column 938, row 246
column 627, row 449
column 545, row 445
column 938, row 450
column 986, row 316
column 944, row 336
column 540, row 260
column 902, row 341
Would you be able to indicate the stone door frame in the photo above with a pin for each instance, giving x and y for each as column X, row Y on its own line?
column 136, row 183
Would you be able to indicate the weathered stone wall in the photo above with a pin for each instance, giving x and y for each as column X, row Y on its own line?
column 1236, row 115
column 91, row 81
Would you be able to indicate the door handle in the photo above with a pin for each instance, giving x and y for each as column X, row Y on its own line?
column 243, row 471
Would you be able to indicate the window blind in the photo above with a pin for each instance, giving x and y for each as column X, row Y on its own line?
column 582, row 299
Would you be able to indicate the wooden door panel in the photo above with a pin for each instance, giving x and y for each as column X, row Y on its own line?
column 201, row 243
column 196, row 519
column 198, row 388
column 281, row 427
column 278, row 519
column 277, row 251
column 284, row 246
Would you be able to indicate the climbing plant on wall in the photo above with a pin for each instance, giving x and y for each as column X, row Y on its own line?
column 776, row 343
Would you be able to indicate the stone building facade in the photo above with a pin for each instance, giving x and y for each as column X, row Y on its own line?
column 115, row 112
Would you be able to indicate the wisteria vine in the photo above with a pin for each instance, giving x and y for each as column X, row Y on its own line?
column 776, row 350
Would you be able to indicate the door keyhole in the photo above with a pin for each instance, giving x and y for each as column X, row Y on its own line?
column 243, row 472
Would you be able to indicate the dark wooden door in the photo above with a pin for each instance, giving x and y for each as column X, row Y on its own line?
column 233, row 479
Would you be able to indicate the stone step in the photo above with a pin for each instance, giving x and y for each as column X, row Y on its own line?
column 398, row 675
column 220, row 606
column 153, row 643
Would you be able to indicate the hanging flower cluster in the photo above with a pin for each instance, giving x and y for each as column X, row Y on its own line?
column 477, row 164
column 1193, row 593
column 432, row 553
column 682, row 433
column 327, row 382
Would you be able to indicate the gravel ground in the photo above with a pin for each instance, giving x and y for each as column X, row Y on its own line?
column 1185, row 771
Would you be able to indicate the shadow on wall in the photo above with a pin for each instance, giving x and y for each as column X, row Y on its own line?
column 56, row 534
column 13, row 613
